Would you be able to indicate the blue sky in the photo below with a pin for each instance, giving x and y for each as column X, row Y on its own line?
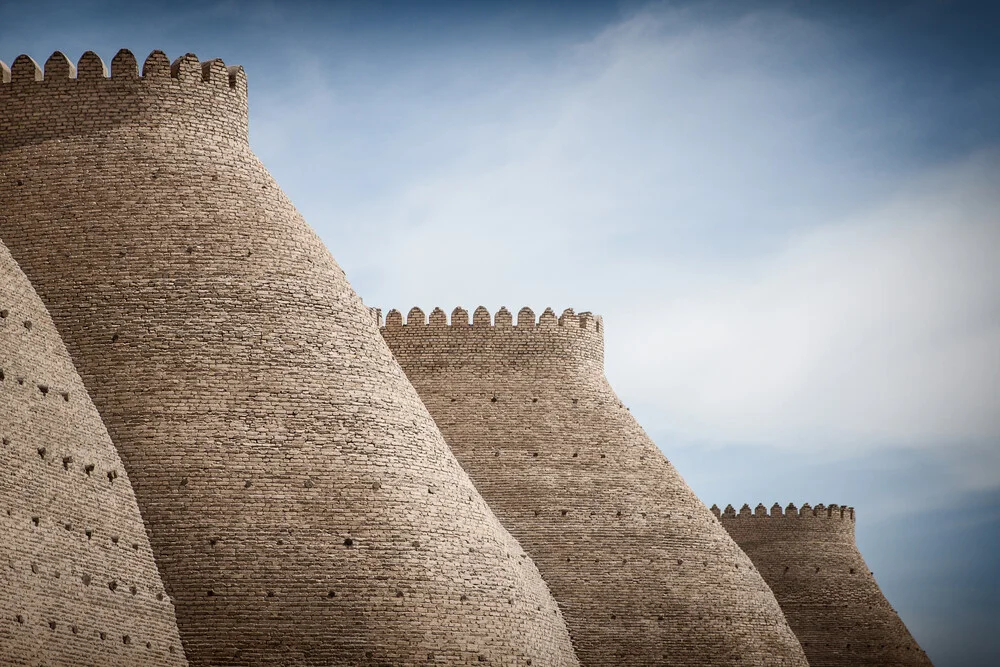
column 787, row 213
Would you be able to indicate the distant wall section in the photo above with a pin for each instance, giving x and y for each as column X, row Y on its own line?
column 809, row 558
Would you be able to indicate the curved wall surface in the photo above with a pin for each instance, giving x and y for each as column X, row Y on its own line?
column 829, row 596
column 78, row 585
column 302, row 505
column 644, row 572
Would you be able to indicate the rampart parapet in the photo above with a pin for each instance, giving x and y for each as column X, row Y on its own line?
column 809, row 558
column 644, row 573
column 573, row 340
column 62, row 99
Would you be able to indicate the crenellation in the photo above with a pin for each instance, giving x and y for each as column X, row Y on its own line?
column 91, row 67
column 24, row 70
column 59, row 68
column 4, row 72
column 190, row 97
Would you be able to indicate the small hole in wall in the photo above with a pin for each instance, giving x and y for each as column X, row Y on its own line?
column 184, row 481
column 20, row 619
column 68, row 526
column 20, row 381
column 817, row 569
column 270, row 594
column 331, row 594
column 149, row 644
column 44, row 389
column 133, row 590
column 575, row 401
column 348, row 542
column 35, row 520
column 190, row 250
column 114, row 338
column 103, row 635
column 34, row 568
column 564, row 512
column 113, row 585
column 5, row 442
column 172, row 649
column 534, row 400
column 604, row 456
column 399, row 594
column 126, row 640
column 493, row 400
column 20, row 182
column 535, row 455
column 52, row 625
column 112, row 476
column 41, row 452
column 89, row 469
column 86, row 579
column 89, row 533
column 1, row 375
column 576, row 454
column 786, row 568
column 66, row 461
column 4, row 313
column 210, row 593
column 74, row 629
column 114, row 539
column 27, row 325
column 159, row 596
column 65, row 396
column 135, row 546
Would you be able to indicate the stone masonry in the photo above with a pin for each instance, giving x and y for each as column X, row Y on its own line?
column 809, row 559
column 644, row 572
column 303, row 508
column 78, row 585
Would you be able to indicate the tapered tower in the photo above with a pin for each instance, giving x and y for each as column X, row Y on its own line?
column 303, row 508
column 78, row 583
column 810, row 560
column 644, row 572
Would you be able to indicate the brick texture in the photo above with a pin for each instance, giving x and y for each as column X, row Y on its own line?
column 302, row 505
column 643, row 571
column 830, row 597
column 78, row 585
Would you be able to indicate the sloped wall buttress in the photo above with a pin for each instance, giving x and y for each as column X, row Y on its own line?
column 644, row 572
column 303, row 507
column 78, row 585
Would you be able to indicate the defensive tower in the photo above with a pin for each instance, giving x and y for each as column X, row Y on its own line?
column 645, row 574
column 79, row 586
column 809, row 559
column 303, row 507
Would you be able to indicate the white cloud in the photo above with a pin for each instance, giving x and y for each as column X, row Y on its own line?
column 883, row 329
column 733, row 195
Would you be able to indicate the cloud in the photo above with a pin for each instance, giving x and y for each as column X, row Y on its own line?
column 735, row 194
column 881, row 329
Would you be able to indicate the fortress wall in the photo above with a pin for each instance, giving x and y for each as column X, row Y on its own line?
column 303, row 507
column 78, row 583
column 810, row 560
column 643, row 571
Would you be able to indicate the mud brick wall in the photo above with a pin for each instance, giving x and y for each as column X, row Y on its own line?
column 303, row 508
column 78, row 585
column 643, row 571
column 810, row 560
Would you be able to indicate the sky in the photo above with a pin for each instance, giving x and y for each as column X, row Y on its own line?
column 787, row 212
